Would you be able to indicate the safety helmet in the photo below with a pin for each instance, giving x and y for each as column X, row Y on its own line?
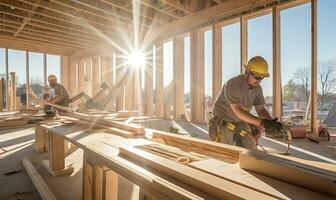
column 52, row 77
column 258, row 66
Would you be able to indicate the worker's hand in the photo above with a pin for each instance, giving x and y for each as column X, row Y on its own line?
column 256, row 137
column 272, row 127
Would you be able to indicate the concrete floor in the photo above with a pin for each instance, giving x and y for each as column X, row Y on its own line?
column 16, row 144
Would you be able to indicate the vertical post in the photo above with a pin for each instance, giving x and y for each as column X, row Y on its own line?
column 243, row 43
column 81, row 78
column 12, row 92
column 111, row 184
column 159, row 80
column 7, row 80
column 149, row 86
column 277, row 92
column 120, row 73
column 313, row 90
column 45, row 69
column 137, row 90
column 95, row 74
column 88, row 76
column 73, row 79
column 1, row 95
column 65, row 72
column 178, row 77
column 217, row 59
column 87, row 191
column 27, row 80
column 197, row 76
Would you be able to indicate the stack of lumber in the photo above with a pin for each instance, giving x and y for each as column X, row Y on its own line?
column 13, row 120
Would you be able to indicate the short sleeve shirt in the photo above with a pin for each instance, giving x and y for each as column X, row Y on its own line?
column 237, row 91
column 61, row 91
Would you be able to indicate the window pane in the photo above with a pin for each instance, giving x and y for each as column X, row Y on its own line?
column 230, row 51
column 36, row 72
column 187, row 72
column 17, row 64
column 54, row 66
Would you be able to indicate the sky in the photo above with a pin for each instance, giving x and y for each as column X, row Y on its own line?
column 295, row 48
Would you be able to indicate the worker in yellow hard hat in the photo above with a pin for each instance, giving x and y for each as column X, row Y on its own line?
column 231, row 121
column 61, row 94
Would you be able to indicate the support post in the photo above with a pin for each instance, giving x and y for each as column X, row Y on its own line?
column 313, row 92
column 243, row 43
column 197, row 76
column 65, row 72
column 73, row 80
column 27, row 81
column 95, row 74
column 178, row 77
column 7, row 80
column 81, row 78
column 12, row 92
column 45, row 70
column 120, row 73
column 277, row 92
column 159, row 80
column 149, row 86
column 217, row 59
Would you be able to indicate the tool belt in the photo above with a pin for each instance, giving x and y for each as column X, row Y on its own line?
column 238, row 128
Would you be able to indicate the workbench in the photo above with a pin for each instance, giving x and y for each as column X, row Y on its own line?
column 107, row 156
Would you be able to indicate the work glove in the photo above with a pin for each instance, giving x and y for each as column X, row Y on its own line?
column 272, row 127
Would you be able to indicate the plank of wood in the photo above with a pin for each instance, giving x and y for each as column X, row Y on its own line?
column 39, row 139
column 210, row 184
column 321, row 178
column 129, row 127
column 87, row 181
column 172, row 139
column 111, row 188
column 264, row 184
column 39, row 184
column 98, row 182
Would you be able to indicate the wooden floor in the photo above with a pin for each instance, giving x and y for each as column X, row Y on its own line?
column 17, row 144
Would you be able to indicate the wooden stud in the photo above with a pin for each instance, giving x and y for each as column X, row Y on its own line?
column 65, row 72
column 45, row 78
column 73, row 80
column 129, row 89
column 12, row 101
column 137, row 88
column 88, row 76
column 197, row 76
column 7, row 80
column 111, row 184
column 159, row 80
column 98, row 188
column 87, row 181
column 277, row 98
column 217, row 59
column 120, row 69
column 28, row 103
column 243, row 43
column 178, row 77
column 81, row 78
column 149, row 87
column 95, row 75
column 1, row 95
column 313, row 91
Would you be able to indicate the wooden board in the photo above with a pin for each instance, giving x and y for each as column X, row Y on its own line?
column 318, row 177
column 264, row 184
column 210, row 184
column 39, row 184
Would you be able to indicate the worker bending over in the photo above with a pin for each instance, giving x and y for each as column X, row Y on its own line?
column 98, row 101
column 231, row 121
column 61, row 94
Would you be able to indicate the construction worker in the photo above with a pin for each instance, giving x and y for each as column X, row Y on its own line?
column 231, row 121
column 61, row 94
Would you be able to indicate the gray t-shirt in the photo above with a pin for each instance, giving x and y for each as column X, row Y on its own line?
column 62, row 92
column 237, row 91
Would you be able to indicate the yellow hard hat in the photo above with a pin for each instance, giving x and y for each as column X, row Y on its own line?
column 258, row 66
column 52, row 77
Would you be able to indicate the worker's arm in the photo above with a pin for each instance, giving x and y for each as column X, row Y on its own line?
column 56, row 99
column 245, row 116
column 262, row 112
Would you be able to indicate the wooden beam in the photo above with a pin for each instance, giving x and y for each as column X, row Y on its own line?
column 22, row 44
column 1, row 94
column 178, row 77
column 28, row 100
column 177, row 5
column 313, row 91
column 7, row 80
column 81, row 78
column 12, row 101
column 65, row 72
column 88, row 76
column 243, row 43
column 40, row 185
column 87, row 188
column 72, row 80
column 120, row 73
column 149, row 85
column 26, row 20
column 277, row 96
column 148, row 4
column 217, row 59
column 197, row 76
column 111, row 184
column 159, row 80
column 137, row 88
column 95, row 75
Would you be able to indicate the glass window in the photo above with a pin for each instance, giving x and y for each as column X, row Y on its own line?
column 187, row 72
column 36, row 79
column 17, row 64
column 54, row 66
column 208, row 70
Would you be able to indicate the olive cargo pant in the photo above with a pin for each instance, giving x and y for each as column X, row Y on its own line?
column 242, row 135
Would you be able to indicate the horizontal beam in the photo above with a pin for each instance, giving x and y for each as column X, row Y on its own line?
column 21, row 44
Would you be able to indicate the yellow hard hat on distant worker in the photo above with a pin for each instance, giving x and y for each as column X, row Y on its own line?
column 258, row 66
column 52, row 77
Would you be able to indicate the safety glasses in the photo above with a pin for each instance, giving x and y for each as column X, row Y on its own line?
column 258, row 78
